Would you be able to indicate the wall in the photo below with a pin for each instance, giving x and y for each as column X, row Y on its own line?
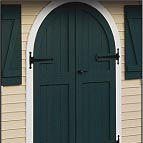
column 14, row 97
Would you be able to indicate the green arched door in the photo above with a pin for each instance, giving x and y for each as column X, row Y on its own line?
column 74, row 92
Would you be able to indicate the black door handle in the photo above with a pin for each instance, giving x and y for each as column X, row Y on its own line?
column 82, row 71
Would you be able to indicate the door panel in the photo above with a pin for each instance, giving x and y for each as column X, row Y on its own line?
column 96, row 94
column 93, row 113
column 74, row 94
column 54, row 113
column 54, row 81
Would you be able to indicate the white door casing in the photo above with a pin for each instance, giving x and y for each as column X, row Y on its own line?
column 30, row 48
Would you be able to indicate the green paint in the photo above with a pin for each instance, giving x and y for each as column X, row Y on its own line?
column 133, row 42
column 11, row 45
column 73, row 107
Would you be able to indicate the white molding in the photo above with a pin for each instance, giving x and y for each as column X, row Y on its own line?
column 30, row 48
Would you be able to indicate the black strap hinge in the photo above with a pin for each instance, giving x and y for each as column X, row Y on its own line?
column 108, row 57
column 32, row 60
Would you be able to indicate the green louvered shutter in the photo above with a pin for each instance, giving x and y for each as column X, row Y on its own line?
column 11, row 45
column 133, row 44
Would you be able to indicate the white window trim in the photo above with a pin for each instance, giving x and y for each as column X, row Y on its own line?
column 30, row 48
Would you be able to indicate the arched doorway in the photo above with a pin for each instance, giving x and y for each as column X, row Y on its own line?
column 78, row 22
column 74, row 93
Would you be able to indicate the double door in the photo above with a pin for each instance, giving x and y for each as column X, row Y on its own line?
column 74, row 90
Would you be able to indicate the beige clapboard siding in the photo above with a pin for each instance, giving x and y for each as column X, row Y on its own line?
column 13, row 107
column 123, row 51
column 7, row 99
column 23, row 81
column 131, row 123
column 24, row 44
column 9, row 134
column 26, row 28
column 24, row 37
column 123, row 60
column 24, row 55
column 132, row 115
column 120, row 27
column 28, row 19
column 10, row 90
column 131, row 131
column 29, row 11
column 24, row 71
column 121, row 35
column 128, row 83
column 118, row 18
column 14, row 116
column 11, row 125
column 123, row 67
column 132, row 139
column 14, row 140
column 122, row 44
column 131, row 107
column 114, row 10
column 131, row 91
column 131, row 99
column 24, row 63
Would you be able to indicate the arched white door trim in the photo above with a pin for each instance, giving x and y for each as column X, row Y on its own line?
column 30, row 48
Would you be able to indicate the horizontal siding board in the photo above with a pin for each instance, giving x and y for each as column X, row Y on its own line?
column 23, row 63
column 23, row 81
column 24, row 37
column 28, row 19
column 24, row 44
column 31, row 11
column 17, row 107
column 13, row 90
column 13, row 133
column 122, row 43
column 26, row 28
column 131, row 107
column 23, row 55
column 131, row 123
column 6, row 117
column 132, row 139
column 14, row 140
column 118, row 18
column 131, row 99
column 120, row 27
column 13, row 125
column 7, row 99
column 24, row 72
column 131, row 91
column 121, row 35
column 116, row 10
column 131, row 131
column 131, row 115
column 131, row 83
